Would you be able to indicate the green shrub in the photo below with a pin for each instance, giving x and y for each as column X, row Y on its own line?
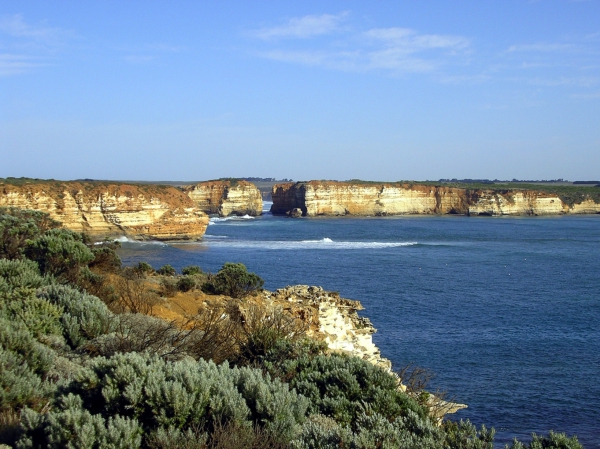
column 84, row 317
column 191, row 270
column 166, row 270
column 20, row 273
column 60, row 253
column 144, row 268
column 234, row 280
column 106, row 258
column 338, row 386
column 185, row 284
column 552, row 441
column 17, row 226
column 169, row 287
column 149, row 393
column 71, row 426
column 464, row 435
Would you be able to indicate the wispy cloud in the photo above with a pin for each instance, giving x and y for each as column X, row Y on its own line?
column 541, row 47
column 26, row 46
column 397, row 50
column 303, row 27
column 13, row 64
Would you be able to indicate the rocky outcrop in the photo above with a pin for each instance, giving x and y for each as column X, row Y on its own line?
column 112, row 209
column 315, row 198
column 226, row 197
column 331, row 319
column 335, row 321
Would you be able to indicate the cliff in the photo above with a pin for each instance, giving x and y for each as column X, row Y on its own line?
column 315, row 198
column 335, row 321
column 226, row 197
column 112, row 209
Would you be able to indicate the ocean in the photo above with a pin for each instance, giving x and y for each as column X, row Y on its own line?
column 504, row 311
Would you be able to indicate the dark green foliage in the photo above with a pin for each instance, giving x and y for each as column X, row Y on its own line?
column 464, row 435
column 185, row 284
column 191, row 270
column 552, row 441
column 60, row 253
column 339, row 386
column 17, row 226
column 234, row 280
column 145, row 268
column 106, row 258
column 166, row 270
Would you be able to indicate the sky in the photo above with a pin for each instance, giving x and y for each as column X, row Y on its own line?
column 378, row 90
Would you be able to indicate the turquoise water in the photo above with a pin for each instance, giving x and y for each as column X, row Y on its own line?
column 505, row 311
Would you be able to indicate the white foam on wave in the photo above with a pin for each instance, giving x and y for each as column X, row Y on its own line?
column 323, row 244
column 215, row 220
column 125, row 239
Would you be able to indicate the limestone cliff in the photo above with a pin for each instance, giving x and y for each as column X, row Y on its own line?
column 345, row 198
column 331, row 319
column 112, row 209
column 226, row 197
column 335, row 321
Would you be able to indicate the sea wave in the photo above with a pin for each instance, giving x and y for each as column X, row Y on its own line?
column 125, row 239
column 323, row 244
column 216, row 220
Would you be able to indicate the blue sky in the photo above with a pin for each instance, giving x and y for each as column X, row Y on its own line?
column 380, row 90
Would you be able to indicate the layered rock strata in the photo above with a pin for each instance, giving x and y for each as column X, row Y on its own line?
column 111, row 209
column 226, row 197
column 315, row 198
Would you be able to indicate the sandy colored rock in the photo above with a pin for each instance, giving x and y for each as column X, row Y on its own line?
column 112, row 209
column 226, row 198
column 332, row 198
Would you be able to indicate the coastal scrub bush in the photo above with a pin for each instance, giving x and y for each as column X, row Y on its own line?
column 191, row 270
column 554, row 440
column 234, row 280
column 60, row 253
column 338, row 386
column 144, row 268
column 185, row 284
column 141, row 391
column 464, row 435
column 166, row 270
column 17, row 226
column 84, row 317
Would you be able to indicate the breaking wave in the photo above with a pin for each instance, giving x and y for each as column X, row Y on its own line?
column 323, row 244
column 215, row 220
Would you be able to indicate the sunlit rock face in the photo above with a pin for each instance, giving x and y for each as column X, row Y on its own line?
column 315, row 198
column 112, row 209
column 331, row 319
column 226, row 197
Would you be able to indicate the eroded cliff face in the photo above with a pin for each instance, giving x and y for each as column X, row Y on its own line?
column 341, row 198
column 331, row 319
column 335, row 321
column 225, row 198
column 109, row 210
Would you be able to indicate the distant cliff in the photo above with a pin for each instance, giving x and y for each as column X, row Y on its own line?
column 226, row 197
column 315, row 198
column 111, row 209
